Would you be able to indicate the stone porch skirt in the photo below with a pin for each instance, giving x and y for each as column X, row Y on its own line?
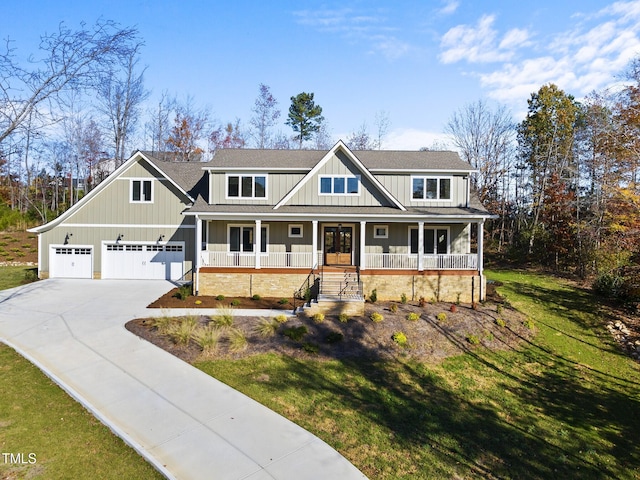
column 464, row 286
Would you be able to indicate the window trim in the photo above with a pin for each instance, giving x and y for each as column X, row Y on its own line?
column 253, row 177
column 296, row 225
column 142, row 181
column 346, row 178
column 424, row 198
column 383, row 235
column 435, row 229
column 253, row 227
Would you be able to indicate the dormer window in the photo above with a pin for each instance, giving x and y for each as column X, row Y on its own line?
column 430, row 188
column 339, row 185
column 246, row 186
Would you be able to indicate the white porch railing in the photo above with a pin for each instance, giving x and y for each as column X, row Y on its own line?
column 390, row 261
column 248, row 260
column 401, row 261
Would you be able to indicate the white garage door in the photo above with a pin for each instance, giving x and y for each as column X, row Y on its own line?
column 71, row 262
column 142, row 261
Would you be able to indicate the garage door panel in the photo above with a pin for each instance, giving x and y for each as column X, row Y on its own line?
column 71, row 262
column 143, row 261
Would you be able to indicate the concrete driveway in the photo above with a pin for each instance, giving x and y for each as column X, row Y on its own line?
column 187, row 424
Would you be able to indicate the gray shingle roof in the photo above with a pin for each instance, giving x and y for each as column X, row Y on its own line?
column 307, row 159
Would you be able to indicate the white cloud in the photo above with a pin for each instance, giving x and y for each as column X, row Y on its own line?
column 450, row 7
column 589, row 55
column 479, row 43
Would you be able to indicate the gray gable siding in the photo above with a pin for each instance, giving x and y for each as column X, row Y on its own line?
column 278, row 185
column 339, row 164
column 400, row 187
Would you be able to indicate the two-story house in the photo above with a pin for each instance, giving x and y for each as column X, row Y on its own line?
column 267, row 221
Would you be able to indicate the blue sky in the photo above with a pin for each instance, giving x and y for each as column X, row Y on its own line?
column 418, row 61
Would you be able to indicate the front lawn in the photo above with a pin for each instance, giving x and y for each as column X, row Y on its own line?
column 563, row 404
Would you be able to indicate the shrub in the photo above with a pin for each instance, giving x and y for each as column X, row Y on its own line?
column 441, row 317
column 183, row 292
column 413, row 316
column 266, row 328
column 529, row 324
column 376, row 317
column 373, row 297
column 500, row 322
column 403, row 298
column 256, row 297
column 393, row 308
column 31, row 275
column 224, row 318
column 499, row 309
column 400, row 338
column 281, row 318
column 453, row 308
column 318, row 317
column 181, row 332
column 237, row 340
column 473, row 339
column 220, row 298
column 310, row 347
column 422, row 302
column 283, row 301
column 343, row 318
column 334, row 337
column 235, row 302
column 295, row 333
column 207, row 339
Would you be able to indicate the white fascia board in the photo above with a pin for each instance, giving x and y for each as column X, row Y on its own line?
column 435, row 171
column 256, row 169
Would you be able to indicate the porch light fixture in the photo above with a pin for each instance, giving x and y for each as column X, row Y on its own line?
column 160, row 238
column 120, row 237
column 67, row 237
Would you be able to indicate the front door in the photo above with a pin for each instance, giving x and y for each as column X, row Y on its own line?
column 338, row 242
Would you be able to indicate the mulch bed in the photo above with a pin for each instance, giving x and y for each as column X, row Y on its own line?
column 170, row 300
column 429, row 339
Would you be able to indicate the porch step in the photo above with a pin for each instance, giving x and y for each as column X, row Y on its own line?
column 340, row 285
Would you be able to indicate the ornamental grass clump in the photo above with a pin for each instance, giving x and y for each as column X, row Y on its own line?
column 393, row 308
column 281, row 318
column 376, row 317
column 343, row 318
column 266, row 328
column 318, row 317
column 224, row 318
column 237, row 340
column 207, row 338
column 163, row 324
column 182, row 331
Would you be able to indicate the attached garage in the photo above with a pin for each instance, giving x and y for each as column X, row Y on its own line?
column 71, row 261
column 144, row 261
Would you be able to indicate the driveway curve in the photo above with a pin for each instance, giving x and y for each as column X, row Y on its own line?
column 187, row 424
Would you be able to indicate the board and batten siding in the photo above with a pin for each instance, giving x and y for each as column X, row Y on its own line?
column 278, row 185
column 399, row 185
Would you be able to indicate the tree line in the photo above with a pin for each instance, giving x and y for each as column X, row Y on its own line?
column 562, row 183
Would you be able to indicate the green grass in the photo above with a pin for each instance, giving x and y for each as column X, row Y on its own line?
column 14, row 276
column 37, row 417
column 564, row 404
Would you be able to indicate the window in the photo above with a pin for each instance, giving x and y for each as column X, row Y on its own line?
column 426, row 188
column 295, row 231
column 246, row 186
column 241, row 238
column 340, row 185
column 381, row 231
column 141, row 191
column 436, row 241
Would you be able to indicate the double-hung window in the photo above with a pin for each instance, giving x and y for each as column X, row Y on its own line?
column 430, row 188
column 242, row 238
column 246, row 186
column 436, row 241
column 141, row 191
column 339, row 185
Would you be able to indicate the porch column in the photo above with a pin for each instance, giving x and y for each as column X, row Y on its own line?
column 197, row 254
column 363, row 262
column 314, row 243
column 420, row 246
column 480, row 253
column 258, row 242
